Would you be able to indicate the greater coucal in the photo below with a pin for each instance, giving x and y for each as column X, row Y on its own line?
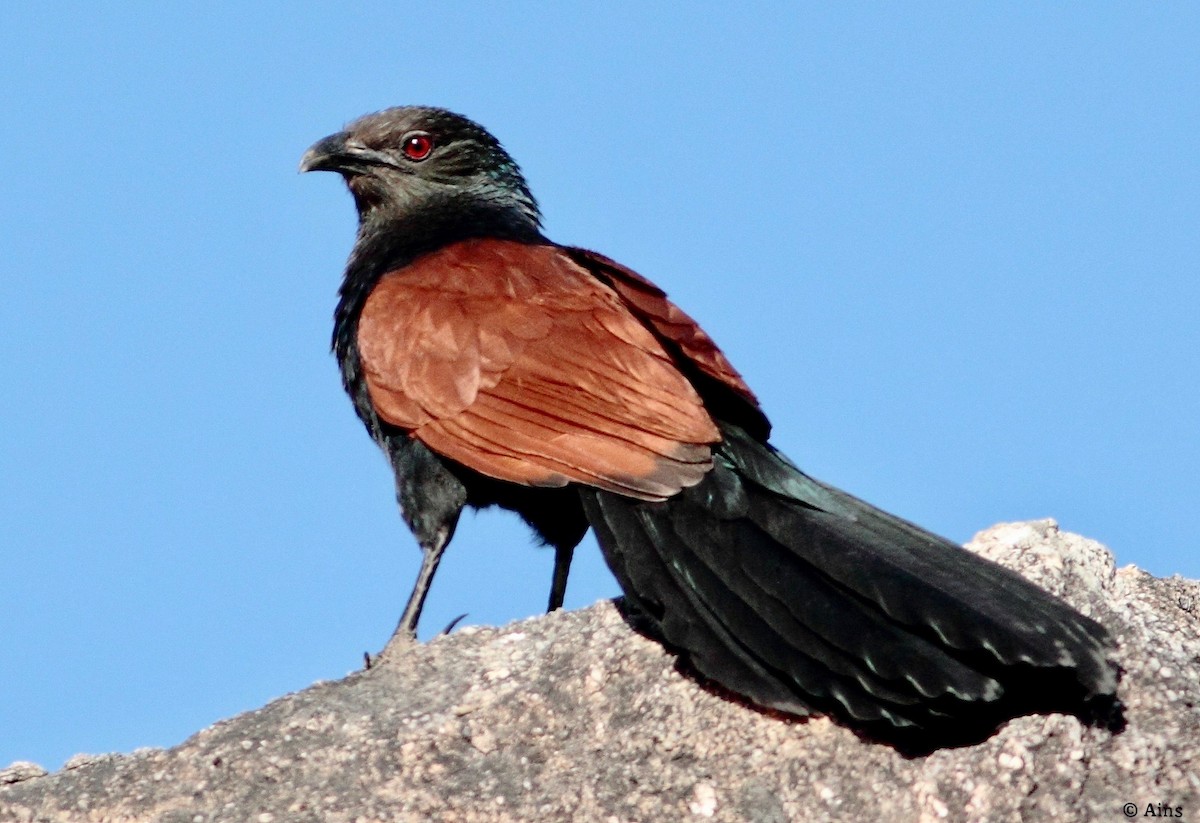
column 496, row 367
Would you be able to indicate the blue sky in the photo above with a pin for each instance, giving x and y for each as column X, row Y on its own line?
column 953, row 247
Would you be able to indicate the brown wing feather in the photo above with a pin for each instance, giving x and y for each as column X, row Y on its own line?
column 516, row 362
column 670, row 321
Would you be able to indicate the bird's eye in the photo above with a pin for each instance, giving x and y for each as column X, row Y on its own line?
column 417, row 145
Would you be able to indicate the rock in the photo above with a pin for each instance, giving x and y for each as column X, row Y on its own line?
column 21, row 770
column 573, row 716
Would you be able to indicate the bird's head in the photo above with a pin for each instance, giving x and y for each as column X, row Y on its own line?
column 415, row 164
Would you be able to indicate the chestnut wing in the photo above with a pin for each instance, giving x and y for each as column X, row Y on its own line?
column 516, row 362
column 724, row 390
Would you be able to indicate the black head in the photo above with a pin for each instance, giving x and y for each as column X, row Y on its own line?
column 415, row 164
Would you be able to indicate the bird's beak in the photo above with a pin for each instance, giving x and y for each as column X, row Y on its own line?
column 327, row 154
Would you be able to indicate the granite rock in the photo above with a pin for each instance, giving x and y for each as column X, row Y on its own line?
column 574, row 716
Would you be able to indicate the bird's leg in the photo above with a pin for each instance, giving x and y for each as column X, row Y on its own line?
column 431, row 499
column 562, row 567
column 431, row 556
column 557, row 517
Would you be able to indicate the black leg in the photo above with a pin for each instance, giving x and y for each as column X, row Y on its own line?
column 562, row 567
column 431, row 499
column 406, row 629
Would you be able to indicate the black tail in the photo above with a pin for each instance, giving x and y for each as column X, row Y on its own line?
column 802, row 598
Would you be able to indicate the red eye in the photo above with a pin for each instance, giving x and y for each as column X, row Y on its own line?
column 417, row 145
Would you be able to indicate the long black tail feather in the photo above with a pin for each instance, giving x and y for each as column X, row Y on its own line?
column 804, row 599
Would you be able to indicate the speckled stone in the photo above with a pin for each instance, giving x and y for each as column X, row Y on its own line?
column 574, row 716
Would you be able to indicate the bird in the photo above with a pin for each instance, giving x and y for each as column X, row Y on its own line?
column 495, row 367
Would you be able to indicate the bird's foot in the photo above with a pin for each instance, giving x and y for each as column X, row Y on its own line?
column 401, row 641
column 450, row 626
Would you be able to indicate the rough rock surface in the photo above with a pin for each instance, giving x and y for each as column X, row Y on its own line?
column 573, row 716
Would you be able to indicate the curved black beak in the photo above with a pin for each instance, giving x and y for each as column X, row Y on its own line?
column 327, row 154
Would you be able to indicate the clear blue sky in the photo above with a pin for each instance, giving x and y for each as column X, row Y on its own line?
column 954, row 247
